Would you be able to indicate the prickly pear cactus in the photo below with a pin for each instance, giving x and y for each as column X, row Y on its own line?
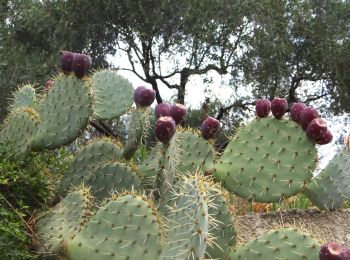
column 127, row 227
column 17, row 132
column 284, row 243
column 24, row 96
column 87, row 160
column 137, row 126
column 267, row 160
column 188, row 225
column 331, row 187
column 64, row 112
column 61, row 223
column 112, row 94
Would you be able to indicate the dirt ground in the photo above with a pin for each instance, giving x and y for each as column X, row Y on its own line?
column 325, row 226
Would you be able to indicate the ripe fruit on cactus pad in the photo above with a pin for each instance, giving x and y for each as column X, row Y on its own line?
column 210, row 127
column 326, row 138
column 162, row 109
column 81, row 64
column 144, row 97
column 263, row 107
column 331, row 251
column 279, row 107
column 316, row 129
column 295, row 111
column 178, row 112
column 307, row 115
column 346, row 254
column 66, row 61
column 165, row 129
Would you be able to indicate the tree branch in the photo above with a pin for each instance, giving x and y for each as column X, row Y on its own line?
column 238, row 103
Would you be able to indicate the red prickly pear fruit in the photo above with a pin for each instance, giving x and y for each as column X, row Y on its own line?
column 210, row 127
column 295, row 111
column 81, row 64
column 307, row 115
column 346, row 254
column 262, row 107
column 66, row 62
column 178, row 112
column 316, row 129
column 331, row 251
column 279, row 107
column 162, row 109
column 326, row 138
column 165, row 129
column 144, row 97
column 48, row 85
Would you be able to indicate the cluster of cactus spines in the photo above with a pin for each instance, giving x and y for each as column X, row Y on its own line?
column 267, row 160
column 24, row 96
column 283, row 243
column 127, row 227
column 91, row 156
column 112, row 94
column 17, row 133
column 331, row 188
column 64, row 113
column 64, row 221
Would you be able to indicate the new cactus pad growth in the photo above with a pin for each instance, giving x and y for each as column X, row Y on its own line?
column 24, row 96
column 331, row 251
column 279, row 107
column 262, row 108
column 210, row 127
column 144, row 97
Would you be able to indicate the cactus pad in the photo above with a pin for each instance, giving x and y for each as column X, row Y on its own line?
column 18, row 131
column 284, row 243
column 64, row 112
column 25, row 96
column 113, row 94
column 87, row 160
column 267, row 160
column 332, row 187
column 62, row 222
column 125, row 228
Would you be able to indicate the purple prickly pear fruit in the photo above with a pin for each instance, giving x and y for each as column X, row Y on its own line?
column 262, row 107
column 66, row 62
column 326, row 138
column 346, row 254
column 165, row 129
column 81, row 64
column 178, row 112
column 316, row 129
column 162, row 109
column 210, row 127
column 307, row 115
column 144, row 97
column 295, row 111
column 331, row 251
column 279, row 107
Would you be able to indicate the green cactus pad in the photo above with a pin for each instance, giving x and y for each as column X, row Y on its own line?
column 188, row 225
column 267, row 160
column 138, row 124
column 97, row 152
column 17, row 132
column 113, row 94
column 331, row 188
column 222, row 231
column 151, row 165
column 61, row 223
column 125, row 228
column 24, row 96
column 64, row 112
column 112, row 177
column 194, row 152
column 284, row 243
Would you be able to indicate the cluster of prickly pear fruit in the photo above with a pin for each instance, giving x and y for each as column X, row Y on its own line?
column 163, row 207
column 334, row 251
column 307, row 117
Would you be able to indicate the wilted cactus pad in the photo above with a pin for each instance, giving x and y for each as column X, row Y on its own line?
column 267, row 160
column 289, row 244
column 125, row 228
